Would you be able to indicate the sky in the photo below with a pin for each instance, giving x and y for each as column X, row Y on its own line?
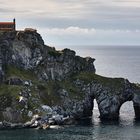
column 77, row 22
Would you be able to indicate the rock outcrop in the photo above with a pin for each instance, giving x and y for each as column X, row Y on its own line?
column 26, row 50
column 58, row 86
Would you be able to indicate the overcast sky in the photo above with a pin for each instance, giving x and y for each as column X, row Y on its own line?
column 77, row 22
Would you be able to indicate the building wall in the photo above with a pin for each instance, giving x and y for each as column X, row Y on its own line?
column 7, row 26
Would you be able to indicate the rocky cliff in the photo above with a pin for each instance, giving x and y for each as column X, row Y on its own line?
column 37, row 80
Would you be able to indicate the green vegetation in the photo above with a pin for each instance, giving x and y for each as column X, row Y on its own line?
column 50, row 94
column 114, row 84
column 12, row 90
column 54, row 53
column 9, row 97
column 7, row 94
column 73, row 91
column 13, row 71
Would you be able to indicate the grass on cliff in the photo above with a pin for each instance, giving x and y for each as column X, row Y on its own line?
column 73, row 91
column 9, row 97
column 50, row 92
column 10, row 89
column 7, row 94
column 114, row 84
column 13, row 71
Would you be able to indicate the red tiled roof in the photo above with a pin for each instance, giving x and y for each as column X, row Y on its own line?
column 6, row 23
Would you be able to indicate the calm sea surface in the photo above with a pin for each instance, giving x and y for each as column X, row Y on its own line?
column 110, row 61
column 114, row 61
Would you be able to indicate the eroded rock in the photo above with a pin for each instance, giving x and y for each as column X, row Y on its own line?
column 58, row 85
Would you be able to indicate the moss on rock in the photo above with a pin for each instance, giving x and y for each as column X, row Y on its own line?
column 114, row 84
column 13, row 71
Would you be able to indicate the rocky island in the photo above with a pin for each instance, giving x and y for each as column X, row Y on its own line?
column 40, row 86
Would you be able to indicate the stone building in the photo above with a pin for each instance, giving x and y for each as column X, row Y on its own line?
column 8, row 26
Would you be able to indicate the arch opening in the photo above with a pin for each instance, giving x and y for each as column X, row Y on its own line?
column 127, row 111
column 95, row 112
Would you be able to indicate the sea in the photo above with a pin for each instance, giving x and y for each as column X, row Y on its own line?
column 111, row 61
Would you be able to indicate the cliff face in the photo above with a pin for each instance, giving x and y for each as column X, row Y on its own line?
column 26, row 50
column 37, row 79
column 33, row 74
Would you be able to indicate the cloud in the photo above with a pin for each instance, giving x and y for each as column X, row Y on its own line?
column 68, row 9
column 64, row 13
column 91, row 21
column 70, row 31
column 83, row 31
column 90, row 36
column 127, row 3
column 47, row 8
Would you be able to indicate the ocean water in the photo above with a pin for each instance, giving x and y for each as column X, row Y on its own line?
column 110, row 61
column 114, row 61
column 89, row 129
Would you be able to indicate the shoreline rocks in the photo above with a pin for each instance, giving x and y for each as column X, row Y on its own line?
column 40, row 123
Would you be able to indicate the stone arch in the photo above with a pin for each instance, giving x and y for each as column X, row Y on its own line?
column 109, row 107
column 136, row 104
column 110, row 101
column 88, row 106
column 136, row 100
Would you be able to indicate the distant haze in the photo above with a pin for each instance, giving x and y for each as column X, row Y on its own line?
column 76, row 22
